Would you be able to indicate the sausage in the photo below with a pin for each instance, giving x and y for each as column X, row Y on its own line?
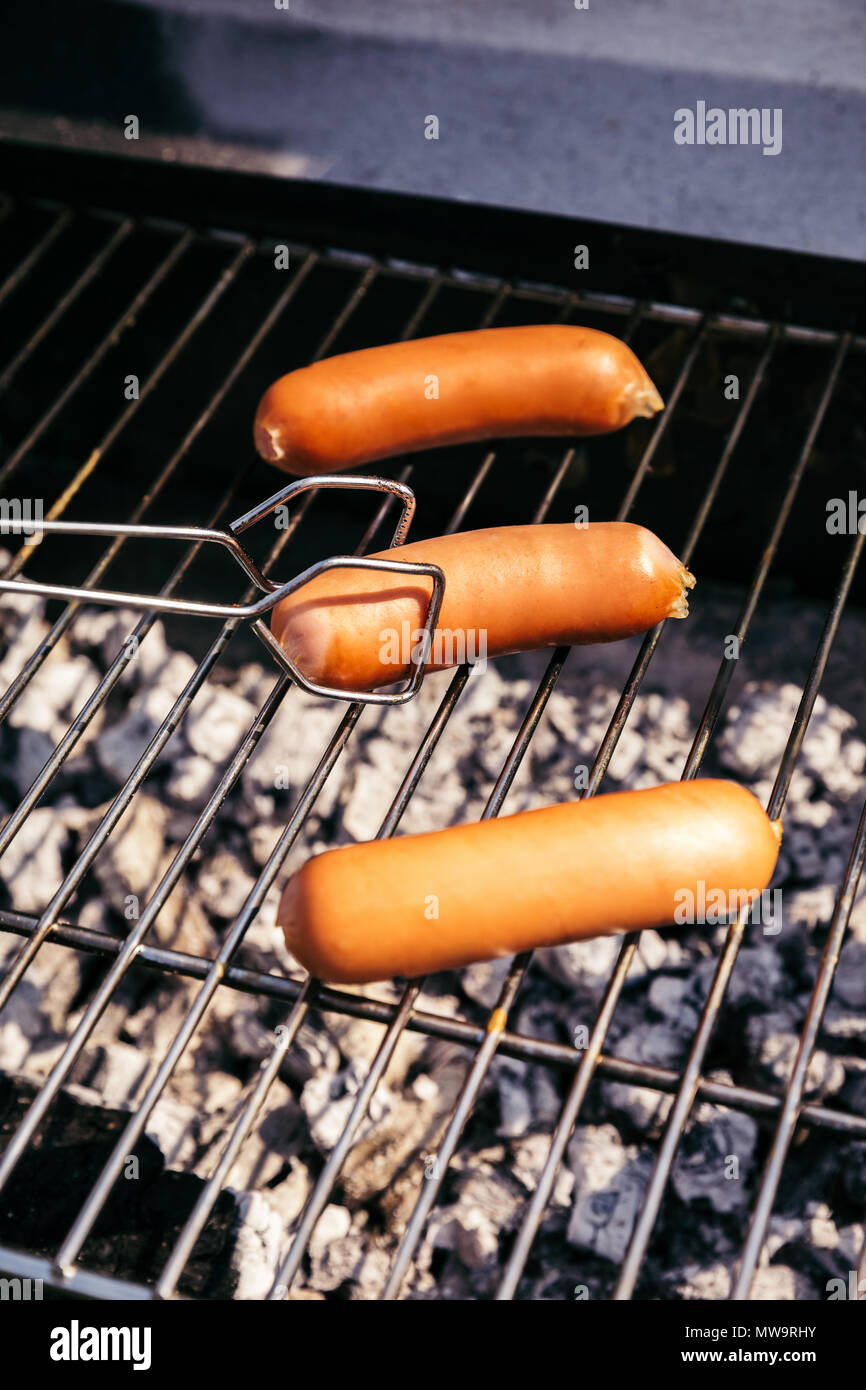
column 361, row 406
column 507, row 589
column 619, row 862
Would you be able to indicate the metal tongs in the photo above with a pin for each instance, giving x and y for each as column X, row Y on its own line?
column 272, row 593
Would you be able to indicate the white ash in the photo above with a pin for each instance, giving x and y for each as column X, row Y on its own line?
column 609, row 1182
column 774, row 1046
column 347, row 1255
column 217, row 722
column 259, row 1241
column 600, row 1188
column 585, row 966
column 117, row 1073
column 120, row 747
column 33, row 863
column 642, row 1109
column 327, row 1101
column 224, row 885
column 779, row 1283
column 191, row 780
column 128, row 865
column 774, row 1283
column 845, row 1023
column 712, row 1284
column 112, row 631
column 486, row 1207
column 269, row 1149
column 757, row 730
column 528, row 1099
column 530, row 1155
column 33, row 1026
column 55, row 693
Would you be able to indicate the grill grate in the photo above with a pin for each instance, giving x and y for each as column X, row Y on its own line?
column 347, row 289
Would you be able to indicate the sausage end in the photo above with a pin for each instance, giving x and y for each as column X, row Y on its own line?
column 292, row 919
column 313, row 925
column 304, row 631
column 644, row 401
column 268, row 441
column 680, row 606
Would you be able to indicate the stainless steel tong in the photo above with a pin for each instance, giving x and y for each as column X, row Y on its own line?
column 271, row 593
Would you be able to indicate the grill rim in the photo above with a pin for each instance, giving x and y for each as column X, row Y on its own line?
column 800, row 288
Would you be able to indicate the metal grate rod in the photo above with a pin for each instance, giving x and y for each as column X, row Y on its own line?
column 685, row 1096
column 245, row 1120
column 124, row 958
column 792, row 1103
column 35, row 254
column 300, row 996
column 498, row 1017
column 116, row 810
column 587, row 1065
column 66, row 300
column 143, row 627
column 285, row 989
column 133, row 309
column 135, row 1126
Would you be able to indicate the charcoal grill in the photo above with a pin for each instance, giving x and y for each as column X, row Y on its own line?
column 106, row 266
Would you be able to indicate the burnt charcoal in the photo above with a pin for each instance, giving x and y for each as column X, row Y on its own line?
column 143, row 1216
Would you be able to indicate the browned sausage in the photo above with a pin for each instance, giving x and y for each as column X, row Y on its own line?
column 508, row 589
column 495, row 382
column 619, row 862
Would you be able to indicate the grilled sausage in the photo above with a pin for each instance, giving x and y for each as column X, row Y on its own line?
column 619, row 862
column 373, row 404
column 507, row 589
